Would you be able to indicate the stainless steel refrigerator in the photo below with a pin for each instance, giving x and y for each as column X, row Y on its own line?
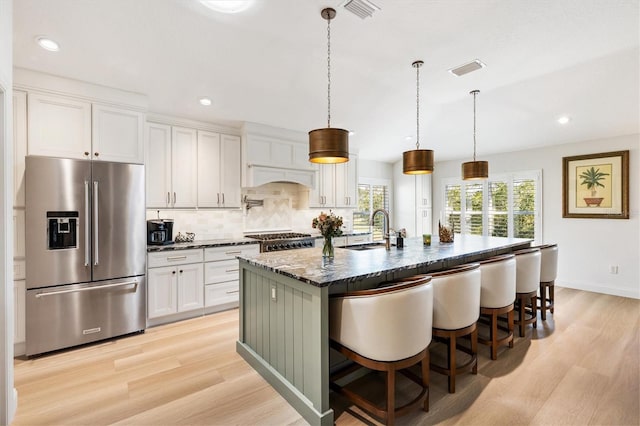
column 86, row 251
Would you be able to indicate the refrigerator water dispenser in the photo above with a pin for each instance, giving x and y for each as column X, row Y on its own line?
column 62, row 230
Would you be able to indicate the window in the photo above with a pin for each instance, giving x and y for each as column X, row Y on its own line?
column 502, row 206
column 372, row 195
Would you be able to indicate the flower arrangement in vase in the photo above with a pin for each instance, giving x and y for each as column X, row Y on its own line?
column 329, row 226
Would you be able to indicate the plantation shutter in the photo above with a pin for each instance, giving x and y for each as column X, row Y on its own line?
column 473, row 208
column 524, row 208
column 370, row 198
column 452, row 207
column 498, row 209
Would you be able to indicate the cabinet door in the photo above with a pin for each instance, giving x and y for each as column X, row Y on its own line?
column 158, row 165
column 425, row 191
column 184, row 167
column 315, row 193
column 230, row 165
column 190, row 287
column 18, row 233
column 58, row 126
column 19, row 290
column 209, row 164
column 19, row 145
column 324, row 194
column 117, row 134
column 162, row 290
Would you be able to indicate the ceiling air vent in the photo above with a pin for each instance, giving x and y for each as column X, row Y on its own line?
column 474, row 65
column 361, row 8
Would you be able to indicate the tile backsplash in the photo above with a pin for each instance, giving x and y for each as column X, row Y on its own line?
column 285, row 207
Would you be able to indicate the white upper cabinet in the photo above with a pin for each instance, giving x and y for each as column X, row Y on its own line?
column 59, row 126
column 19, row 145
column 337, row 185
column 67, row 127
column 117, row 134
column 184, row 173
column 158, row 165
column 218, row 170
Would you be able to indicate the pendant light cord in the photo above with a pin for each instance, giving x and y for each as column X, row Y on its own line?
column 418, row 106
column 329, row 72
column 475, row 92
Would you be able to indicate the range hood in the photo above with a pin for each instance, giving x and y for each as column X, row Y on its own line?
column 276, row 155
column 261, row 174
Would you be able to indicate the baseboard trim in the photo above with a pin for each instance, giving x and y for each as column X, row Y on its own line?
column 613, row 291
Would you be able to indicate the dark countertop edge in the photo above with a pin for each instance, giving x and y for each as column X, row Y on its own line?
column 201, row 244
column 385, row 271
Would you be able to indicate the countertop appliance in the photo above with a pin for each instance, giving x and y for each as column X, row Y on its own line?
column 159, row 232
column 283, row 241
column 86, row 251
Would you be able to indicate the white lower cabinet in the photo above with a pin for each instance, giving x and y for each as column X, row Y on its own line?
column 175, row 282
column 19, row 306
column 221, row 275
column 187, row 283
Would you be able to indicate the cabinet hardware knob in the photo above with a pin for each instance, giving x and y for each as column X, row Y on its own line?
column 96, row 154
column 173, row 272
column 180, row 270
column 86, row 153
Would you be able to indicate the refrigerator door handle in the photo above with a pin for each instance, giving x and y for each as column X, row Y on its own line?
column 95, row 223
column 87, row 230
column 99, row 287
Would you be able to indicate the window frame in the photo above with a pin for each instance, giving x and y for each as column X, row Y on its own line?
column 371, row 182
column 509, row 178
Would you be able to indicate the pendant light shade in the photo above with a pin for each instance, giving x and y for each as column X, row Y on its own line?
column 417, row 161
column 328, row 145
column 475, row 170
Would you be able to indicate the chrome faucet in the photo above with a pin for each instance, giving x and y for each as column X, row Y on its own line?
column 385, row 226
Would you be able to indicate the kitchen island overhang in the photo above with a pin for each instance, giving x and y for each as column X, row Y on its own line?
column 284, row 306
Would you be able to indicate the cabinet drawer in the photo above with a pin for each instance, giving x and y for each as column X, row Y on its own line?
column 173, row 257
column 222, row 271
column 218, row 294
column 229, row 252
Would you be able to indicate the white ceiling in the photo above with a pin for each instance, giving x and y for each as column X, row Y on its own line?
column 545, row 58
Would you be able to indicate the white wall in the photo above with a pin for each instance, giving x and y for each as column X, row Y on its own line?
column 7, row 392
column 587, row 247
column 374, row 169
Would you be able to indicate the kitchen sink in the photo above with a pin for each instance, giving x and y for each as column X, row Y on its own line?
column 362, row 247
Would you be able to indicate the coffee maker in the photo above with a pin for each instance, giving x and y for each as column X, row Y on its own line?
column 159, row 232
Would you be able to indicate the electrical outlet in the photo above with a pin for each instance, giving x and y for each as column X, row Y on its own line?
column 613, row 269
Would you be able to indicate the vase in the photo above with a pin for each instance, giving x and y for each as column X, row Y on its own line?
column 327, row 248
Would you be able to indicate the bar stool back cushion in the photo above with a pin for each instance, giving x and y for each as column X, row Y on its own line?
column 456, row 298
column 548, row 263
column 498, row 287
column 527, row 270
column 386, row 324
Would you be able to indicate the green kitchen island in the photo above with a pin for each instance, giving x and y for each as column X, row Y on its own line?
column 284, row 306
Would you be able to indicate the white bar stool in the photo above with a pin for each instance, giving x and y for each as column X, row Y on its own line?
column 527, row 282
column 384, row 329
column 548, row 274
column 497, row 296
column 456, row 308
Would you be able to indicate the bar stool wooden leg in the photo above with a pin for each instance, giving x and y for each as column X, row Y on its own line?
column 543, row 301
column 510, row 326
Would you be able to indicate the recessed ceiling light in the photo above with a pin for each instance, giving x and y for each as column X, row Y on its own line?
column 351, row 133
column 564, row 119
column 47, row 44
column 227, row 6
column 408, row 138
column 205, row 101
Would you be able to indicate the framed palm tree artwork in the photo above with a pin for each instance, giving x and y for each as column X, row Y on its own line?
column 596, row 186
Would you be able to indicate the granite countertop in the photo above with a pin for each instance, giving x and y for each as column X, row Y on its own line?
column 202, row 244
column 308, row 265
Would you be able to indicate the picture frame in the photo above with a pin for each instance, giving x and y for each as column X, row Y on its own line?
column 596, row 186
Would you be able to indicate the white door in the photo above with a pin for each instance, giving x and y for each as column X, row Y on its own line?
column 230, row 165
column 209, row 194
column 117, row 134
column 158, row 165
column 162, row 284
column 58, row 126
column 190, row 287
column 184, row 167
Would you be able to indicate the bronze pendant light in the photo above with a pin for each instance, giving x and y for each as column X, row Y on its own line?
column 328, row 145
column 417, row 161
column 474, row 170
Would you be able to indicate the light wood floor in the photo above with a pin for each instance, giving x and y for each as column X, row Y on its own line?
column 580, row 367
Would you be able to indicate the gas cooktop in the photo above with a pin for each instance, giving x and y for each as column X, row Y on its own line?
column 277, row 236
column 283, row 241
